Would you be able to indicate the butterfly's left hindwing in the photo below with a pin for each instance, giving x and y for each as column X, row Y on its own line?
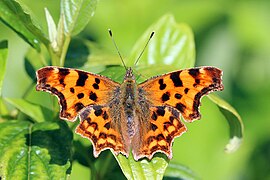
column 75, row 89
column 164, row 125
column 183, row 89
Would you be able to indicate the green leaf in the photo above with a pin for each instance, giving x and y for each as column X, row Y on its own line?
column 77, row 54
column 88, row 56
column 77, row 14
column 35, row 151
column 52, row 31
column 3, row 61
column 36, row 112
column 177, row 171
column 143, row 169
column 34, row 60
column 171, row 45
column 19, row 20
column 234, row 120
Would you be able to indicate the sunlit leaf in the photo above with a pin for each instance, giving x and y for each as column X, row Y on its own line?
column 143, row 169
column 234, row 120
column 52, row 31
column 115, row 72
column 171, row 45
column 77, row 14
column 19, row 20
column 177, row 171
column 60, row 31
column 3, row 61
column 36, row 112
column 35, row 151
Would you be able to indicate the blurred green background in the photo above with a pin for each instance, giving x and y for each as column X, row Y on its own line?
column 232, row 35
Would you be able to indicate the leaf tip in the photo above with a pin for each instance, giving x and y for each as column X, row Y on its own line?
column 233, row 144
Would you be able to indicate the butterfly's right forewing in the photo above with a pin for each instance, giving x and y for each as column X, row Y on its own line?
column 75, row 89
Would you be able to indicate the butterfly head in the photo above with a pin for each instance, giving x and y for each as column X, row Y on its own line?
column 129, row 76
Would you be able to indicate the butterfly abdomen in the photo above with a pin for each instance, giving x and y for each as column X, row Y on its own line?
column 128, row 102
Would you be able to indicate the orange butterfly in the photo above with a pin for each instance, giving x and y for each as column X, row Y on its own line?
column 144, row 118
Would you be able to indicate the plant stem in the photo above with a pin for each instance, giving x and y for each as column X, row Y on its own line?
column 64, row 50
column 54, row 57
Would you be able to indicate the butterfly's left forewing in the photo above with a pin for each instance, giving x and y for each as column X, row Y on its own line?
column 183, row 89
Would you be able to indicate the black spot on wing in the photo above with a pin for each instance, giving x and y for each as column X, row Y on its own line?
column 102, row 135
column 178, row 96
column 72, row 90
column 61, row 81
column 154, row 116
column 93, row 96
column 95, row 86
column 181, row 107
column 175, row 77
column 63, row 72
column 98, row 110
column 78, row 106
column 165, row 96
column 197, row 82
column 162, row 86
column 160, row 137
column 153, row 127
column 171, row 118
column 105, row 115
column 107, row 125
column 88, row 119
column 186, row 90
column 160, row 111
column 194, row 72
column 80, row 95
column 82, row 78
column 97, row 80
column 166, row 125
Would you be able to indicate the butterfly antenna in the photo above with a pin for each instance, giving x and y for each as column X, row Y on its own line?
column 110, row 32
column 151, row 35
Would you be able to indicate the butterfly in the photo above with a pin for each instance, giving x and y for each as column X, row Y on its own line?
column 142, row 118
